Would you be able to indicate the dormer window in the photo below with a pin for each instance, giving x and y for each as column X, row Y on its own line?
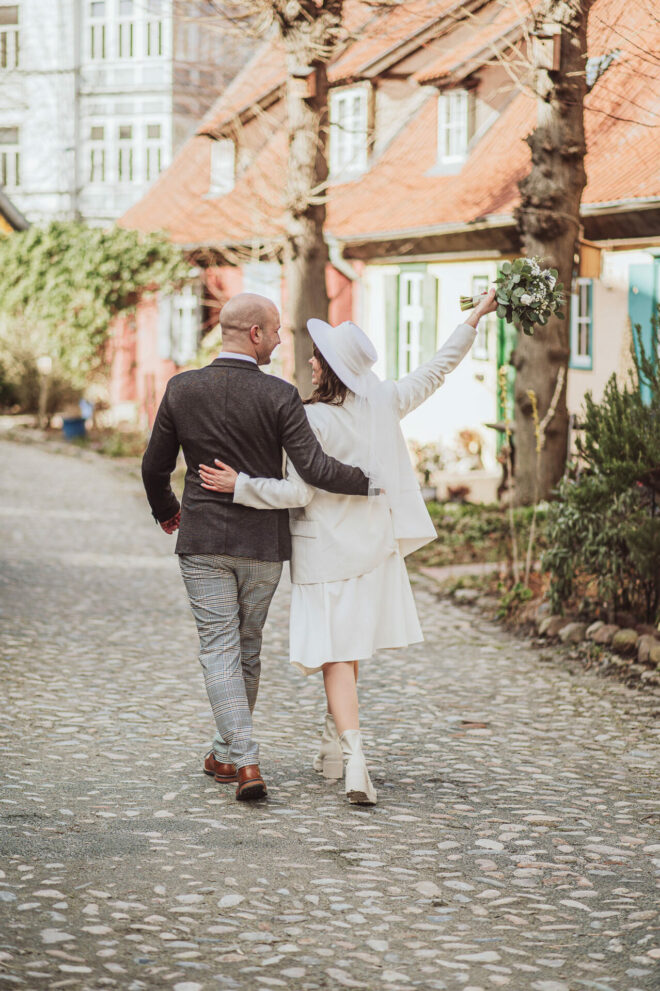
column 455, row 114
column 348, row 132
column 223, row 167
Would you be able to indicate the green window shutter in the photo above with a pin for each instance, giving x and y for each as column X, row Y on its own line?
column 429, row 335
column 391, row 292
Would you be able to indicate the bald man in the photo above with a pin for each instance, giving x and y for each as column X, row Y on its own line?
column 231, row 556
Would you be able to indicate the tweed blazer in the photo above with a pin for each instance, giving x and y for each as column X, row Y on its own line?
column 231, row 410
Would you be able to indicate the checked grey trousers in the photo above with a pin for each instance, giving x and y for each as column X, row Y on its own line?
column 230, row 597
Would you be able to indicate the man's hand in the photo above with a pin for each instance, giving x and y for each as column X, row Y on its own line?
column 220, row 479
column 169, row 526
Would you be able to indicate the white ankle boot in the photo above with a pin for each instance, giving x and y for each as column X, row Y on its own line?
column 359, row 789
column 330, row 759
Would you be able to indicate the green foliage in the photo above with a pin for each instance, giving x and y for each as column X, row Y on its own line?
column 528, row 295
column 512, row 599
column 61, row 286
column 604, row 529
column 474, row 532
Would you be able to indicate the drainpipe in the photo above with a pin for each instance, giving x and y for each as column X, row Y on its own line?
column 337, row 259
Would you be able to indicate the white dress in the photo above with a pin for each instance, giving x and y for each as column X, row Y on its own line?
column 351, row 594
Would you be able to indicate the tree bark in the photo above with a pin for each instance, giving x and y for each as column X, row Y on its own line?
column 549, row 222
column 309, row 30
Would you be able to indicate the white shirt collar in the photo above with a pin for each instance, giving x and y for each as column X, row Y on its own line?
column 238, row 357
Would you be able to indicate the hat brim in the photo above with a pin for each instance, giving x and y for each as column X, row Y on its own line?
column 321, row 333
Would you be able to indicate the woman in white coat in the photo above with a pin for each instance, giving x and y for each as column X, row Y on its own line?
column 350, row 590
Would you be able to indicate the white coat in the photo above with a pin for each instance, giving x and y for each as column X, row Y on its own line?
column 335, row 537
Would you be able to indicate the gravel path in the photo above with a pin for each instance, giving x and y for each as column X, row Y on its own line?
column 516, row 842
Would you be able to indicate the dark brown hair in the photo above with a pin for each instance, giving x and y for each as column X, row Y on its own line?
column 330, row 389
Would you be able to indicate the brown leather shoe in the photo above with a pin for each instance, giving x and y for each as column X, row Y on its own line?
column 224, row 773
column 250, row 784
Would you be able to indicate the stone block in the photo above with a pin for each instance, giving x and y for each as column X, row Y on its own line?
column 594, row 628
column 654, row 655
column 646, row 641
column 467, row 595
column 551, row 625
column 605, row 634
column 625, row 642
column 573, row 633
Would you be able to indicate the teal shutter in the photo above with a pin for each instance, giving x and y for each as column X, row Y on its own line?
column 391, row 292
column 429, row 335
column 642, row 303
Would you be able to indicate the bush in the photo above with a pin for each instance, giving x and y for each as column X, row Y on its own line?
column 604, row 529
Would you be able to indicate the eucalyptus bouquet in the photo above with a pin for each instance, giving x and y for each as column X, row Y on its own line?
column 526, row 294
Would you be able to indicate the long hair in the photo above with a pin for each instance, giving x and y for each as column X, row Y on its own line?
column 330, row 389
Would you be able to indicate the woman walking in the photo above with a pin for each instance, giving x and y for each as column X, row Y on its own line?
column 350, row 590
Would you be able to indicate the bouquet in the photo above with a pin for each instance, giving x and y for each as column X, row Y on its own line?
column 526, row 294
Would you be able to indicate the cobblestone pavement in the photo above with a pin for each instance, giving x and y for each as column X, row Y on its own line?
column 514, row 843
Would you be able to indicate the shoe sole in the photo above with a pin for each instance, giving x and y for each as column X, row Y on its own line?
column 359, row 798
column 221, row 780
column 251, row 792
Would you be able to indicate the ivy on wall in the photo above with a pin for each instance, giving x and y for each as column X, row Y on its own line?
column 61, row 286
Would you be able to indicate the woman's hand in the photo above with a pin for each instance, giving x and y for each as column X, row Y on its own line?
column 220, row 479
column 487, row 305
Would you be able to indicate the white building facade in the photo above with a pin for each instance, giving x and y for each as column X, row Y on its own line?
column 96, row 96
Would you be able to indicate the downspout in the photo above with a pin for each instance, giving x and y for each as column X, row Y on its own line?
column 337, row 259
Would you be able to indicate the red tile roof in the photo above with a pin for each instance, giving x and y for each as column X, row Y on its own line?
column 402, row 191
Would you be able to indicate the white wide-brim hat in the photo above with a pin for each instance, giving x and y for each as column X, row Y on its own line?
column 348, row 351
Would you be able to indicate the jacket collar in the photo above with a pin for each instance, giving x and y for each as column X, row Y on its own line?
column 234, row 363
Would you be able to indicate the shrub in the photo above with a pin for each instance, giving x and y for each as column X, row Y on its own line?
column 604, row 529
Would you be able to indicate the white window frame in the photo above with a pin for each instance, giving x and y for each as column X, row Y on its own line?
column 454, row 112
column 10, row 160
column 222, row 167
column 582, row 324
column 125, row 155
column 154, row 152
column 349, row 132
column 154, row 37
column 97, row 35
column 411, row 320
column 185, row 327
column 481, row 283
column 98, row 155
column 10, row 40
column 126, row 33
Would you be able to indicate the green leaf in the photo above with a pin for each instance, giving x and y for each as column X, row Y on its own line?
column 506, row 267
column 501, row 311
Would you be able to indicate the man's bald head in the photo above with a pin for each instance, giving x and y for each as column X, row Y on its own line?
column 246, row 310
column 250, row 325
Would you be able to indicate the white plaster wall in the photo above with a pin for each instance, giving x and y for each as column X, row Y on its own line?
column 611, row 328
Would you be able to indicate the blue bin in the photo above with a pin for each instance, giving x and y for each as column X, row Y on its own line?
column 73, row 427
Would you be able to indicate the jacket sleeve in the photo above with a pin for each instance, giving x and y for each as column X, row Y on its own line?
column 415, row 388
column 159, row 462
column 273, row 493
column 312, row 464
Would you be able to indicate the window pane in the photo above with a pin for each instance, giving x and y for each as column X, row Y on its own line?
column 97, row 133
column 153, row 130
column 97, row 9
column 8, row 135
column 125, row 8
column 125, row 132
column 9, row 15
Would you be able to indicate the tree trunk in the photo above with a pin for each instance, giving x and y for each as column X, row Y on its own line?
column 549, row 221
column 309, row 30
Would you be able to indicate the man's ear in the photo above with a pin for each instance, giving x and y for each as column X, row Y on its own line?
column 255, row 333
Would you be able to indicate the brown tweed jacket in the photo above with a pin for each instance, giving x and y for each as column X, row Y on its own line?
column 232, row 411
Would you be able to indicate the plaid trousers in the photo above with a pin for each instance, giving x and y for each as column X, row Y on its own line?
column 230, row 597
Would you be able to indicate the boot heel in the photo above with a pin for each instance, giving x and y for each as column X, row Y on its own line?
column 333, row 768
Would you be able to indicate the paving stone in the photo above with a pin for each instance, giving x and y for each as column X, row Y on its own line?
column 514, row 844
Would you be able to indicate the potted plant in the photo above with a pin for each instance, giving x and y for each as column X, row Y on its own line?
column 427, row 458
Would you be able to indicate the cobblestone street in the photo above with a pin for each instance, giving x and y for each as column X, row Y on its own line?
column 516, row 842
